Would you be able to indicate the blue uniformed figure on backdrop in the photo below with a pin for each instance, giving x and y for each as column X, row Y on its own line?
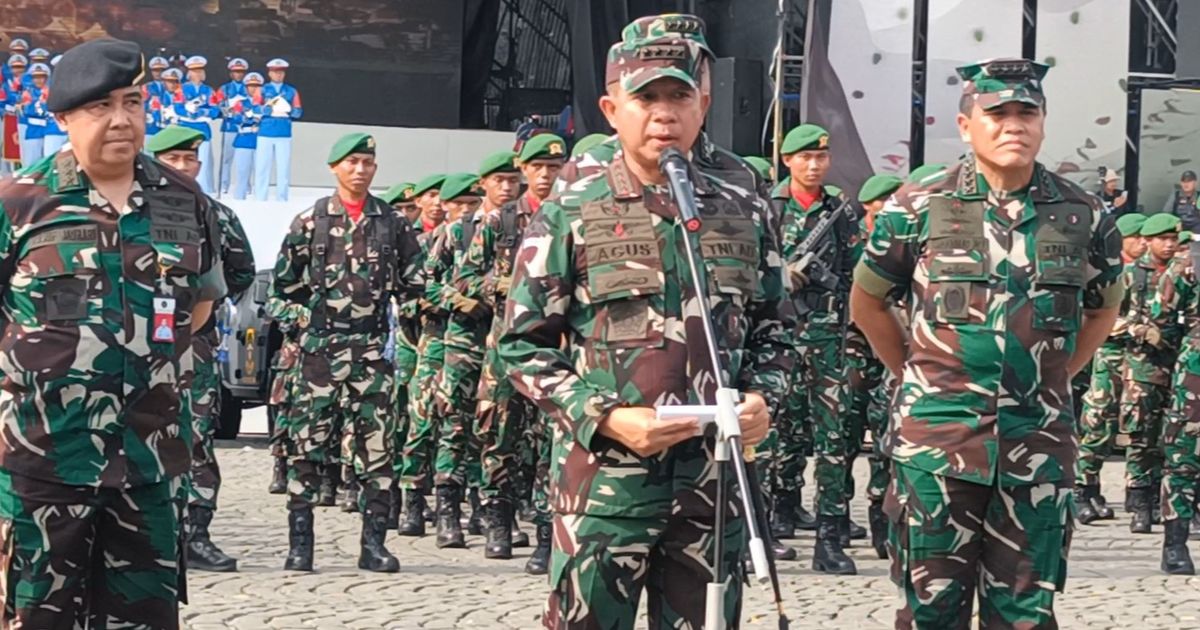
column 32, row 114
column 17, row 46
column 37, row 55
column 246, row 116
column 56, row 137
column 281, row 105
column 229, row 95
column 155, row 96
column 197, row 108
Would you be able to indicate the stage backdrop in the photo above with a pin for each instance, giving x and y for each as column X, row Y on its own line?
column 382, row 62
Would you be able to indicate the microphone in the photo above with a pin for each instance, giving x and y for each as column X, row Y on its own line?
column 674, row 165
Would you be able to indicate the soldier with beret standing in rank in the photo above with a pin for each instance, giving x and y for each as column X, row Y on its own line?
column 108, row 265
column 196, row 105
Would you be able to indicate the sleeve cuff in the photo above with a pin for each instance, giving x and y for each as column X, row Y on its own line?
column 1111, row 296
column 871, row 281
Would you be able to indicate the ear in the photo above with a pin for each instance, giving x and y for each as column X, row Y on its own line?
column 705, row 102
column 964, row 130
column 608, row 106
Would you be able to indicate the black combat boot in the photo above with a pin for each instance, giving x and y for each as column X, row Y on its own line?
column 374, row 556
column 202, row 554
column 805, row 521
column 278, row 477
column 300, row 539
column 476, row 523
column 782, row 551
column 329, row 485
column 844, row 531
column 520, row 539
column 1100, row 505
column 499, row 543
column 395, row 506
column 1195, row 528
column 1085, row 510
column 539, row 561
column 1156, row 502
column 414, row 514
column 857, row 532
column 449, row 515
column 1176, row 560
column 525, row 510
column 783, row 518
column 828, row 556
column 350, row 491
column 1140, row 505
column 879, row 529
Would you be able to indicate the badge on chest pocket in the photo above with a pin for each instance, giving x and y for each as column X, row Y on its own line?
column 66, row 299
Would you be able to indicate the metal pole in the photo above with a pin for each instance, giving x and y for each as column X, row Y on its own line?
column 780, row 54
column 1029, row 29
column 916, row 131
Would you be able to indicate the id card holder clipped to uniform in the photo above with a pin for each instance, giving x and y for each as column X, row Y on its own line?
column 162, row 327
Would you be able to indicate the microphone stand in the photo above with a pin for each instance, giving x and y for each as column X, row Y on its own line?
column 728, row 446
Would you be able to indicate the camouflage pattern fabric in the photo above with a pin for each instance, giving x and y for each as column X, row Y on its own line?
column 630, row 345
column 820, row 398
column 406, row 336
column 950, row 537
column 865, row 378
column 982, row 432
column 127, row 539
column 283, row 372
column 1101, row 405
column 338, row 277
column 1181, row 430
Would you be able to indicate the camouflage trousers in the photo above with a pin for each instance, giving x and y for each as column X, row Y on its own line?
column 952, row 541
column 1181, row 439
column 600, row 565
column 279, row 398
column 420, row 444
column 205, row 481
column 406, row 366
column 1142, row 409
column 74, row 556
column 458, row 449
column 868, row 399
column 346, row 385
column 822, row 398
column 1101, row 408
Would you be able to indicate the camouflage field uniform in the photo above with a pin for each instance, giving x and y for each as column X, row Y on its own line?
column 238, row 264
column 813, row 415
column 338, row 278
column 1181, row 429
column 283, row 372
column 623, row 523
column 466, row 335
column 94, row 411
column 420, row 444
column 982, row 433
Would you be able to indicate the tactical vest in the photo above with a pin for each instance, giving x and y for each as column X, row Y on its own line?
column 468, row 232
column 508, row 234
column 1185, row 208
column 958, row 252
column 816, row 297
column 380, row 233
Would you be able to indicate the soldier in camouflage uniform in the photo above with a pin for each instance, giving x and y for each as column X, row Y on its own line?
column 503, row 416
column 340, row 265
column 818, row 400
column 1013, row 275
column 1101, row 405
column 867, row 383
column 177, row 147
column 1181, row 426
column 632, row 495
column 467, row 323
column 1154, row 336
column 283, row 377
column 420, row 443
column 107, row 261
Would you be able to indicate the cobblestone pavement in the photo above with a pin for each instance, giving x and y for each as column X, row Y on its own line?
column 1114, row 583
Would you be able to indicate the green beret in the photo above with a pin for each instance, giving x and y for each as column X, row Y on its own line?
column 433, row 182
column 878, row 187
column 458, row 185
column 91, row 70
column 1131, row 224
column 999, row 81
column 357, row 142
column 921, row 172
column 498, row 162
column 805, row 138
column 543, row 146
column 397, row 193
column 587, row 142
column 1160, row 223
column 761, row 165
column 1185, row 237
column 174, row 137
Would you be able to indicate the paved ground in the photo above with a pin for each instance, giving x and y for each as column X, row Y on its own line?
column 1114, row 582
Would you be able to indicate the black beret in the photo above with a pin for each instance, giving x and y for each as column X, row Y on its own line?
column 91, row 70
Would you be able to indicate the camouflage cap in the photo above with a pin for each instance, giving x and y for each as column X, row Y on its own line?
column 1161, row 223
column 357, row 142
column 635, row 63
column 587, row 142
column 432, row 182
column 543, row 146
column 878, row 187
column 667, row 26
column 806, row 137
column 459, row 185
column 761, row 165
column 397, row 193
column 999, row 81
column 174, row 137
column 1131, row 224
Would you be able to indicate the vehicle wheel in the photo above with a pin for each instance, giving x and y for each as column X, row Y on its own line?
column 231, row 416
